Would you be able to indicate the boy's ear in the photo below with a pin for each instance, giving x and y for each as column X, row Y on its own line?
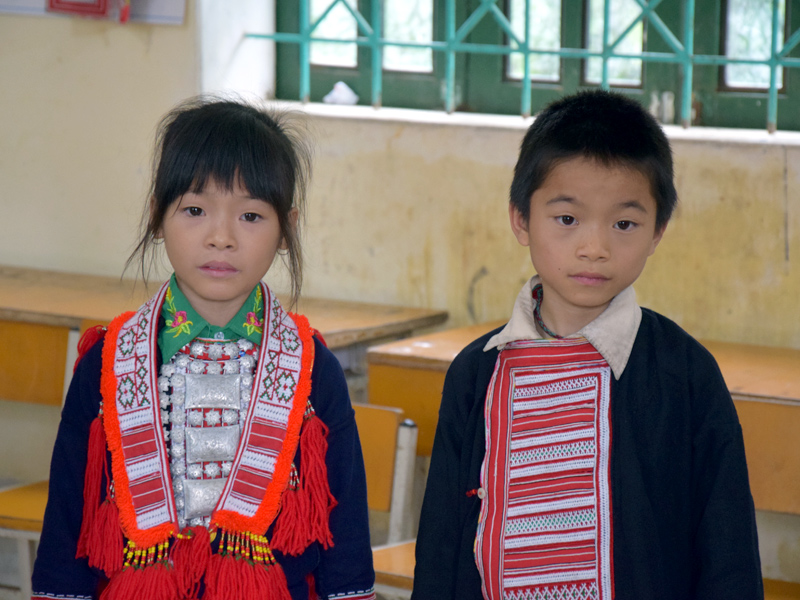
column 519, row 224
column 659, row 233
column 293, row 217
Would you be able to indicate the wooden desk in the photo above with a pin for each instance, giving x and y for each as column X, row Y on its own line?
column 409, row 374
column 764, row 383
column 55, row 303
column 394, row 565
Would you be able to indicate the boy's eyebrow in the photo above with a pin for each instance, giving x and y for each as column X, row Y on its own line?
column 635, row 204
column 559, row 199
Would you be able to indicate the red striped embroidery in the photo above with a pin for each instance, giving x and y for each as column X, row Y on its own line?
column 545, row 525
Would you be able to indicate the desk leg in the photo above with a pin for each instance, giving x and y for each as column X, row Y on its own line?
column 25, row 559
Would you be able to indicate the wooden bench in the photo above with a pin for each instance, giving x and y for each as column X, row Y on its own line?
column 21, row 516
column 764, row 383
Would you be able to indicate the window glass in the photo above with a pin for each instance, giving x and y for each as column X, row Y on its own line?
column 545, row 34
column 338, row 24
column 408, row 21
column 621, row 71
column 748, row 34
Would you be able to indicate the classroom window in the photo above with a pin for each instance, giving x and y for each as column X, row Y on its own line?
column 408, row 21
column 334, row 21
column 623, row 19
column 470, row 55
column 748, row 34
column 544, row 33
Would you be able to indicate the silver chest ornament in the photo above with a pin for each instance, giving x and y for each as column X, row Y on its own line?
column 204, row 392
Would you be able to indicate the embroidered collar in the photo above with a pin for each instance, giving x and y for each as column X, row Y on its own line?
column 183, row 323
column 270, row 435
column 612, row 333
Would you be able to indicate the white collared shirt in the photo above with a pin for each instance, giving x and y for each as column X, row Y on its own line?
column 612, row 333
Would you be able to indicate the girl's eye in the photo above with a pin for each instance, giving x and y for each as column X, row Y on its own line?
column 625, row 225
column 194, row 211
column 566, row 220
column 251, row 217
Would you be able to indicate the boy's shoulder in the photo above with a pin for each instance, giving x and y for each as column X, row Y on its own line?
column 662, row 341
column 665, row 332
column 474, row 353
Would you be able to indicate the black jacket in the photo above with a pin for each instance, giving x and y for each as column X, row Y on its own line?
column 683, row 517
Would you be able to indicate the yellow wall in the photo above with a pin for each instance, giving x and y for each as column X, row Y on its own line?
column 79, row 100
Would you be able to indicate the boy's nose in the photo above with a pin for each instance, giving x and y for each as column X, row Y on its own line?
column 594, row 245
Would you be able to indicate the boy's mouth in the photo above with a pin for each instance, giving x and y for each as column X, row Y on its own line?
column 589, row 278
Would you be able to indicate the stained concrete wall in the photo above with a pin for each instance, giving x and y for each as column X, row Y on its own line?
column 415, row 213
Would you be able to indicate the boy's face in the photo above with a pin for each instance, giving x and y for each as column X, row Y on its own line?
column 590, row 231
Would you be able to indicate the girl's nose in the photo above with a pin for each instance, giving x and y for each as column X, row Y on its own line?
column 221, row 235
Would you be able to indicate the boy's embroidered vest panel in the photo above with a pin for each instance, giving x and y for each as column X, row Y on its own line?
column 545, row 523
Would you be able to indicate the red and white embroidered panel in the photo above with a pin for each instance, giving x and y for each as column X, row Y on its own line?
column 545, row 525
column 264, row 431
column 145, row 456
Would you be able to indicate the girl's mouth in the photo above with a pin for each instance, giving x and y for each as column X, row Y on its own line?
column 218, row 269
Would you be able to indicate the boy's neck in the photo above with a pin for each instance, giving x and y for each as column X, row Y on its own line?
column 566, row 320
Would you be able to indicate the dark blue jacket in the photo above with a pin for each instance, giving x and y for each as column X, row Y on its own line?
column 344, row 569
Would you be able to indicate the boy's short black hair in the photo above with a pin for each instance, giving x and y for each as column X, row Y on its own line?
column 603, row 126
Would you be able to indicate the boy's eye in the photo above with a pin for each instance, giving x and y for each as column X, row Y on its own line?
column 194, row 211
column 625, row 225
column 251, row 217
column 566, row 219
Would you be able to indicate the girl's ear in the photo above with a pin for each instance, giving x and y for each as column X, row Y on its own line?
column 158, row 233
column 292, row 218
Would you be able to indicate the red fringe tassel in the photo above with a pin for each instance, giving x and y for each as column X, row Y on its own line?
column 153, row 582
column 101, row 537
column 228, row 577
column 191, row 556
column 314, row 480
column 89, row 338
column 291, row 533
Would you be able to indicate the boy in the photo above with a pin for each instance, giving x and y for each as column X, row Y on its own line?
column 589, row 448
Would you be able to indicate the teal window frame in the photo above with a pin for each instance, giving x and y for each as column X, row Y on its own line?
column 471, row 42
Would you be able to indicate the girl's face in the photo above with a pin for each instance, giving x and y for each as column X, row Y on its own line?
column 220, row 244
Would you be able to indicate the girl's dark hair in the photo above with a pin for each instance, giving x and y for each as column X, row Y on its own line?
column 230, row 142
column 599, row 125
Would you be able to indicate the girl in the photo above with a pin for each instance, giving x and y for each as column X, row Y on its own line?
column 207, row 446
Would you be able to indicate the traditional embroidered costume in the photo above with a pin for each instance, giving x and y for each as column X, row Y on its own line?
column 224, row 463
column 609, row 464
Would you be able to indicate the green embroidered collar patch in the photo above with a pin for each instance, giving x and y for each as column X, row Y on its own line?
column 183, row 323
